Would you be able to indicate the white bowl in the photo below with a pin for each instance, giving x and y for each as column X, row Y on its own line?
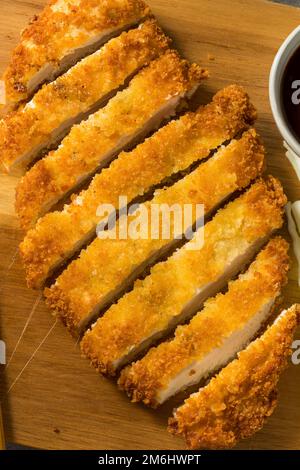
column 286, row 51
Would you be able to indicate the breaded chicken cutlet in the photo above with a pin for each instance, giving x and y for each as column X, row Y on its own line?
column 87, row 86
column 138, row 82
column 177, row 288
column 236, row 403
column 108, row 266
column 173, row 148
column 153, row 95
column 213, row 337
column 170, row 150
column 64, row 32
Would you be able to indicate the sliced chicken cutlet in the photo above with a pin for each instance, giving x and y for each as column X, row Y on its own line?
column 236, row 403
column 65, row 32
column 213, row 337
column 109, row 266
column 172, row 149
column 153, row 95
column 177, row 288
column 86, row 87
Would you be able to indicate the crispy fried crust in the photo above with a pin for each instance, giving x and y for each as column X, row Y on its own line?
column 237, row 402
column 156, row 301
column 76, row 92
column 62, row 27
column 170, row 150
column 186, row 140
column 97, row 139
column 107, row 263
column 220, row 317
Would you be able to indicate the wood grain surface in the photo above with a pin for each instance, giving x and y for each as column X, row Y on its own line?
column 58, row 401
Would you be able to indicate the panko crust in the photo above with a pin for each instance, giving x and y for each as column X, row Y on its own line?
column 132, row 174
column 235, row 101
column 78, row 155
column 51, row 36
column 75, row 92
column 106, row 264
column 160, row 297
column 59, row 304
column 190, row 138
column 220, row 316
column 237, row 402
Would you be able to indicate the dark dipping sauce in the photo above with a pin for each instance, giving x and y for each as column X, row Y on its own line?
column 290, row 93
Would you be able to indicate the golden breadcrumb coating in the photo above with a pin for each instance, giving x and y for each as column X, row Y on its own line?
column 237, row 402
column 171, row 149
column 62, row 27
column 106, row 264
column 75, row 93
column 157, row 301
column 208, row 330
column 98, row 139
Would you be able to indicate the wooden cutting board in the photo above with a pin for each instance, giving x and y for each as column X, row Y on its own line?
column 59, row 401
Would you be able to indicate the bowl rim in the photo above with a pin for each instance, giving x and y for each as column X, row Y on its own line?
column 283, row 55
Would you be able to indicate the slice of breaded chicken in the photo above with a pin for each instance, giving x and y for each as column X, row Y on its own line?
column 176, row 289
column 86, row 87
column 64, row 32
column 236, row 403
column 224, row 327
column 173, row 148
column 108, row 266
